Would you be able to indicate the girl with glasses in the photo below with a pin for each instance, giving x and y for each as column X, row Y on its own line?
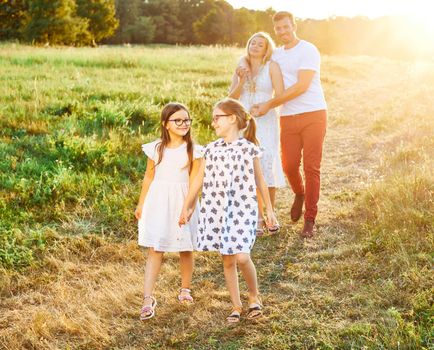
column 228, row 216
column 173, row 160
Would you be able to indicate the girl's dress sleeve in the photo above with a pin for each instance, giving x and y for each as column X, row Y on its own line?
column 198, row 151
column 256, row 151
column 206, row 150
column 150, row 149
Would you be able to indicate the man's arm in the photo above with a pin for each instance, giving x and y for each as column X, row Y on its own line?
column 304, row 79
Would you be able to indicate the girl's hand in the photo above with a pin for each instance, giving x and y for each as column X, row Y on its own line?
column 271, row 220
column 138, row 212
column 185, row 216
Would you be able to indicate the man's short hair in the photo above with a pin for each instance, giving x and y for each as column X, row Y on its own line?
column 283, row 14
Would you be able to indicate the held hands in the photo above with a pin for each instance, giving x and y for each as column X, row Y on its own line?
column 185, row 216
column 259, row 109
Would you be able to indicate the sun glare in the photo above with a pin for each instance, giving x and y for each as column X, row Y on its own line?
column 425, row 21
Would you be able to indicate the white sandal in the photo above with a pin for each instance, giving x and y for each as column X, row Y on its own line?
column 185, row 297
column 148, row 311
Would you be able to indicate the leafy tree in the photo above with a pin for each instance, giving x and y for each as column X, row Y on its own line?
column 141, row 31
column 55, row 22
column 207, row 29
column 101, row 16
column 11, row 16
column 134, row 26
column 243, row 25
column 264, row 21
column 215, row 26
column 189, row 12
column 127, row 13
column 166, row 17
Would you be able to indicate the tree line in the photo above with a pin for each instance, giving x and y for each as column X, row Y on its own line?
column 207, row 22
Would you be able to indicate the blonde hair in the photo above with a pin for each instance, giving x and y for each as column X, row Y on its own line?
column 270, row 46
column 244, row 120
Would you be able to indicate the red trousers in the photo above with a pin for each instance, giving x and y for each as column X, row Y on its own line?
column 304, row 133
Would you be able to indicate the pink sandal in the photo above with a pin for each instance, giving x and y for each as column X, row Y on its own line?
column 148, row 311
column 185, row 297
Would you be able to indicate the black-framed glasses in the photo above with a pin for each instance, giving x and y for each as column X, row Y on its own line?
column 179, row 122
column 216, row 117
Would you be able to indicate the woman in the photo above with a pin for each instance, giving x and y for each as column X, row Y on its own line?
column 254, row 81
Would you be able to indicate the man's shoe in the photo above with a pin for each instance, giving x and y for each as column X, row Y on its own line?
column 307, row 231
column 297, row 207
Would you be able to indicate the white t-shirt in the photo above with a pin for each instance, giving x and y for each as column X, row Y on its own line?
column 303, row 56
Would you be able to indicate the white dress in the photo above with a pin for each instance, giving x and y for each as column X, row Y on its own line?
column 267, row 132
column 228, row 213
column 158, row 225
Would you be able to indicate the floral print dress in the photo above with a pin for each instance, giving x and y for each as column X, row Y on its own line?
column 228, row 212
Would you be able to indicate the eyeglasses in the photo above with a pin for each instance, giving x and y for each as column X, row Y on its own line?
column 179, row 122
column 216, row 117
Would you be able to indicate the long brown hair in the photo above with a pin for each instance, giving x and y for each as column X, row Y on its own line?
column 244, row 120
column 167, row 111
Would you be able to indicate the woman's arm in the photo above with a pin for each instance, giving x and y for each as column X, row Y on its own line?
column 147, row 179
column 237, row 83
column 193, row 191
column 238, row 78
column 263, row 190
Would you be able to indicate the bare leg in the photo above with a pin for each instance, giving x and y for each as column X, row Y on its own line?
column 186, row 264
column 249, row 273
column 152, row 269
column 231, row 277
column 260, row 208
column 272, row 191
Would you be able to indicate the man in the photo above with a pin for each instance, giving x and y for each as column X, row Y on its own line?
column 303, row 118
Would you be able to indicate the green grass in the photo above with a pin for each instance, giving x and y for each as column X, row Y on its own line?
column 72, row 122
column 71, row 125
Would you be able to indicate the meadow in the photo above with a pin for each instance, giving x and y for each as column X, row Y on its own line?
column 71, row 124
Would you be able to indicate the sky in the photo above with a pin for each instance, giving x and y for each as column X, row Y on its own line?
column 327, row 8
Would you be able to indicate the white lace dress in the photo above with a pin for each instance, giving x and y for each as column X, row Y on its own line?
column 267, row 132
column 158, row 225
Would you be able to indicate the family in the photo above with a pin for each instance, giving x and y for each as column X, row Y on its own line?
column 237, row 175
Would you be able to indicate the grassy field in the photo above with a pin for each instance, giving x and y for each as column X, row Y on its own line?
column 71, row 125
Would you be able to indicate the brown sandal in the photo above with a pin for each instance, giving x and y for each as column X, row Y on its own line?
column 235, row 315
column 255, row 310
